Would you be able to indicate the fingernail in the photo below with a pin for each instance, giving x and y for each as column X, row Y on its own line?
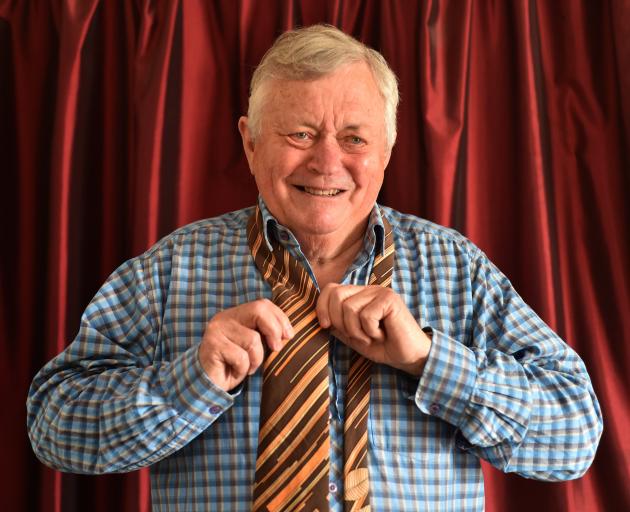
column 288, row 332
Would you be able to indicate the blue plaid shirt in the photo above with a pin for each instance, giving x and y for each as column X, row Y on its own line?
column 498, row 384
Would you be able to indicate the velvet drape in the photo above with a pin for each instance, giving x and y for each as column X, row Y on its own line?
column 118, row 124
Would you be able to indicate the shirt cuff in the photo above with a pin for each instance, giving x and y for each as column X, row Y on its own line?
column 195, row 397
column 448, row 380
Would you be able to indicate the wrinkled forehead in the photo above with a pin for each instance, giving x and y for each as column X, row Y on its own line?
column 348, row 95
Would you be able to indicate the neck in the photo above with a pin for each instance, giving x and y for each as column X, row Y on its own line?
column 330, row 257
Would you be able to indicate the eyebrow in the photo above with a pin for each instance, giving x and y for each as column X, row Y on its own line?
column 347, row 127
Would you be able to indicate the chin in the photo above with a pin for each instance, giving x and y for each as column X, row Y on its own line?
column 316, row 229
column 312, row 228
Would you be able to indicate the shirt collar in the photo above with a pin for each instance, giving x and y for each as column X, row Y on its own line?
column 274, row 231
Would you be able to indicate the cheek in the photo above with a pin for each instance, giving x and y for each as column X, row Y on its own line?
column 273, row 166
column 369, row 172
column 270, row 174
column 263, row 168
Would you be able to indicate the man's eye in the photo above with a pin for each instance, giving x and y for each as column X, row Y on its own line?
column 300, row 136
column 355, row 140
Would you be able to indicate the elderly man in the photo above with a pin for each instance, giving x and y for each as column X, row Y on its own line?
column 318, row 351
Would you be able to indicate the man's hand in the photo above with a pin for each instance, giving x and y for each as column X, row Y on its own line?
column 232, row 345
column 375, row 322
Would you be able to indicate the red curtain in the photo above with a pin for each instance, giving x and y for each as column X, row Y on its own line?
column 118, row 124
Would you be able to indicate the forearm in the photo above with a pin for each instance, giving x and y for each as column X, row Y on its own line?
column 520, row 413
column 119, row 418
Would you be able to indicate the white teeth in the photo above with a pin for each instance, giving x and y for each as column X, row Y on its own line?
column 320, row 192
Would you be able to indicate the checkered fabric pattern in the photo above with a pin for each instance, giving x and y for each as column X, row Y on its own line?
column 129, row 391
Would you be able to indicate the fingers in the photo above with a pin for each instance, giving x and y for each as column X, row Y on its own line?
column 229, row 352
column 355, row 311
column 233, row 363
column 268, row 319
column 232, row 346
column 337, row 309
column 378, row 312
column 322, row 308
column 243, row 346
column 375, row 322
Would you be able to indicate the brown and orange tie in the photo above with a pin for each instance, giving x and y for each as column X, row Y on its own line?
column 292, row 465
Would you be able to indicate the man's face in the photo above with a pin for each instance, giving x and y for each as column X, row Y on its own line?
column 321, row 152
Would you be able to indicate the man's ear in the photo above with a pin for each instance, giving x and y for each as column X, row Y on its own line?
column 388, row 155
column 248, row 141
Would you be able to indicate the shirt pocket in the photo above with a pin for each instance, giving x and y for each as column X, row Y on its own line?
column 397, row 426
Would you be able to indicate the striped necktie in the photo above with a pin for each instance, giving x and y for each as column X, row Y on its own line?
column 292, row 465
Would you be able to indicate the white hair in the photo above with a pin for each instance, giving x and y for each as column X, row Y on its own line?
column 312, row 52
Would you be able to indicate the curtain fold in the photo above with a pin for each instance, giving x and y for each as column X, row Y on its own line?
column 118, row 124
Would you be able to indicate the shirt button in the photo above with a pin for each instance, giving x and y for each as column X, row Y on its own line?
column 434, row 408
column 215, row 409
column 332, row 487
column 462, row 444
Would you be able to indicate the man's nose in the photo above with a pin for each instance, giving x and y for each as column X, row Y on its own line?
column 326, row 156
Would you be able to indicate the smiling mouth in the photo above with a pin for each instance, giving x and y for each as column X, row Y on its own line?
column 325, row 192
